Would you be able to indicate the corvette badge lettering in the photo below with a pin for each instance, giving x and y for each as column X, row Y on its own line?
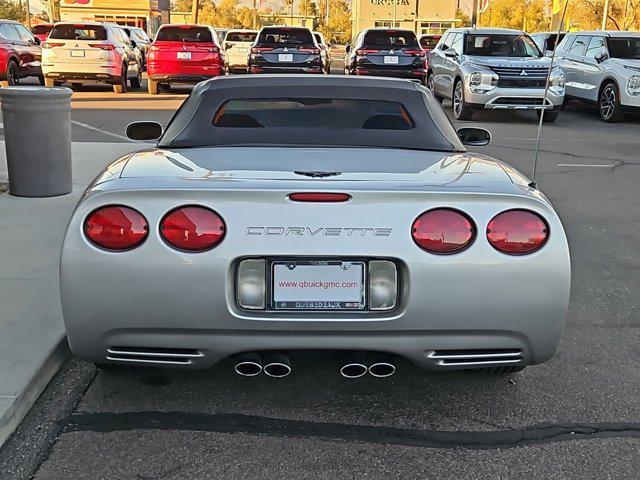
column 320, row 231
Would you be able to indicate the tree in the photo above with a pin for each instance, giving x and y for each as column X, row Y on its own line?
column 339, row 28
column 528, row 15
column 11, row 11
column 587, row 14
column 307, row 8
column 464, row 19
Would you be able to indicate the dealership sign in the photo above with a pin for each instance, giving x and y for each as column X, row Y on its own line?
column 78, row 3
column 389, row 2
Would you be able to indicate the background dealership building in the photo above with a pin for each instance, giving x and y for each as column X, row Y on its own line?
column 421, row 16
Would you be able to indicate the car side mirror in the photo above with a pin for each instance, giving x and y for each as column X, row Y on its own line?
column 36, row 40
column 474, row 137
column 602, row 57
column 347, row 48
column 450, row 52
column 134, row 44
column 144, row 130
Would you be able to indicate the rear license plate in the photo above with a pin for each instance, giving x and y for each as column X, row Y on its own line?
column 318, row 285
column 242, row 50
column 391, row 60
column 285, row 57
column 77, row 53
column 183, row 55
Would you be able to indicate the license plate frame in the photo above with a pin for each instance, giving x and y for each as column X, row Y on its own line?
column 285, row 57
column 183, row 55
column 391, row 60
column 313, row 302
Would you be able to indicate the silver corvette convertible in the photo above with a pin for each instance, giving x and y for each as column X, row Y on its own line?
column 290, row 214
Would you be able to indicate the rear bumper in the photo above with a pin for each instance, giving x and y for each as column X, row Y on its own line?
column 155, row 297
column 88, row 71
column 193, row 74
column 180, row 78
column 411, row 73
column 262, row 68
column 84, row 77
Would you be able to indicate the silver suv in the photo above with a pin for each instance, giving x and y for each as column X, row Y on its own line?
column 493, row 68
column 604, row 68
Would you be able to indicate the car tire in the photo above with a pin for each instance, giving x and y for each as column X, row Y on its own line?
column 460, row 110
column 136, row 82
column 549, row 116
column 76, row 86
column 12, row 74
column 152, row 87
column 121, row 86
column 431, row 86
column 609, row 105
column 49, row 82
column 41, row 79
column 499, row 370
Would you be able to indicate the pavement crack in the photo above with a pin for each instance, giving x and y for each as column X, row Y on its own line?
column 106, row 422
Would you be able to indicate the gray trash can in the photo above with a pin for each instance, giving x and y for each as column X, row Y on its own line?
column 37, row 133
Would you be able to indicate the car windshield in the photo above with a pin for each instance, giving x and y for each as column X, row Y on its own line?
column 628, row 48
column 241, row 37
column 184, row 34
column 501, row 46
column 285, row 36
column 41, row 29
column 78, row 32
column 390, row 38
column 334, row 113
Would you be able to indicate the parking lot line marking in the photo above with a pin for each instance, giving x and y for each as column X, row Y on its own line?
column 105, row 132
column 608, row 165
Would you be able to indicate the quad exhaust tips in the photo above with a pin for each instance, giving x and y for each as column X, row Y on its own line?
column 276, row 365
column 249, row 365
column 377, row 366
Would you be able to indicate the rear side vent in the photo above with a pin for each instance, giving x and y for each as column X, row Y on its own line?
column 476, row 357
column 152, row 355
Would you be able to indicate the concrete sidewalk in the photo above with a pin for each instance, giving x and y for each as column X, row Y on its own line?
column 32, row 342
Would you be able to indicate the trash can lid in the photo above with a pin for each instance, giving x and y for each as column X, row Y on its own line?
column 36, row 92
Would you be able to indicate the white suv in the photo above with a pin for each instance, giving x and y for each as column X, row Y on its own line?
column 237, row 45
column 86, row 52
column 603, row 67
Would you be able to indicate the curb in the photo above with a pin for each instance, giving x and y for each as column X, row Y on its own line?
column 23, row 402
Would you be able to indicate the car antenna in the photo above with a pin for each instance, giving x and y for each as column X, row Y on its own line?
column 533, row 183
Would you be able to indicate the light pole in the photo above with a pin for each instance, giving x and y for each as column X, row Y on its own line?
column 194, row 11
column 605, row 14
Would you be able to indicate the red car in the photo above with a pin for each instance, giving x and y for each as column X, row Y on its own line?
column 429, row 41
column 20, row 53
column 184, row 54
column 42, row 31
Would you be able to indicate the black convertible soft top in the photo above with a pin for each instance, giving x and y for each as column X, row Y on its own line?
column 208, row 118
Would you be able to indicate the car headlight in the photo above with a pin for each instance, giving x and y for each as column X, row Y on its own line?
column 633, row 85
column 475, row 79
column 558, row 80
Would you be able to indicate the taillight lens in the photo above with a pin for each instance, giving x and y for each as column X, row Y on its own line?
column 415, row 52
column 365, row 51
column 443, row 231
column 261, row 49
column 517, row 232
column 52, row 45
column 328, row 197
column 116, row 227
column 311, row 50
column 192, row 228
column 103, row 46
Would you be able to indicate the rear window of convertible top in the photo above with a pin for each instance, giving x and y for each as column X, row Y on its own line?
column 333, row 113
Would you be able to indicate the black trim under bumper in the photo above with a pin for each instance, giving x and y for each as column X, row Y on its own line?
column 93, row 77
column 169, row 78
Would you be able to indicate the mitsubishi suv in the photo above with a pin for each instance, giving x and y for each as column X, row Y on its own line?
column 603, row 67
column 493, row 68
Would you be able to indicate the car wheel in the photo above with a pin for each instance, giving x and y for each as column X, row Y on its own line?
column 13, row 73
column 609, row 104
column 549, row 115
column 136, row 82
column 152, row 87
column 41, row 79
column 499, row 370
column 49, row 82
column 460, row 110
column 430, row 84
column 76, row 86
column 121, row 86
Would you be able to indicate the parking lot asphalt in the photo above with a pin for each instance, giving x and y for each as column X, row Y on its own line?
column 577, row 416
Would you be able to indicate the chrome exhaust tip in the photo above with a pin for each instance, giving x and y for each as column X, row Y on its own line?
column 249, row 365
column 353, row 370
column 382, row 369
column 276, row 365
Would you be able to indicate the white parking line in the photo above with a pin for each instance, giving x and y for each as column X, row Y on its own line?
column 608, row 165
column 105, row 132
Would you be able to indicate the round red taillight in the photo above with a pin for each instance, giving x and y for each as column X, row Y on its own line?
column 517, row 232
column 194, row 229
column 116, row 228
column 443, row 231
